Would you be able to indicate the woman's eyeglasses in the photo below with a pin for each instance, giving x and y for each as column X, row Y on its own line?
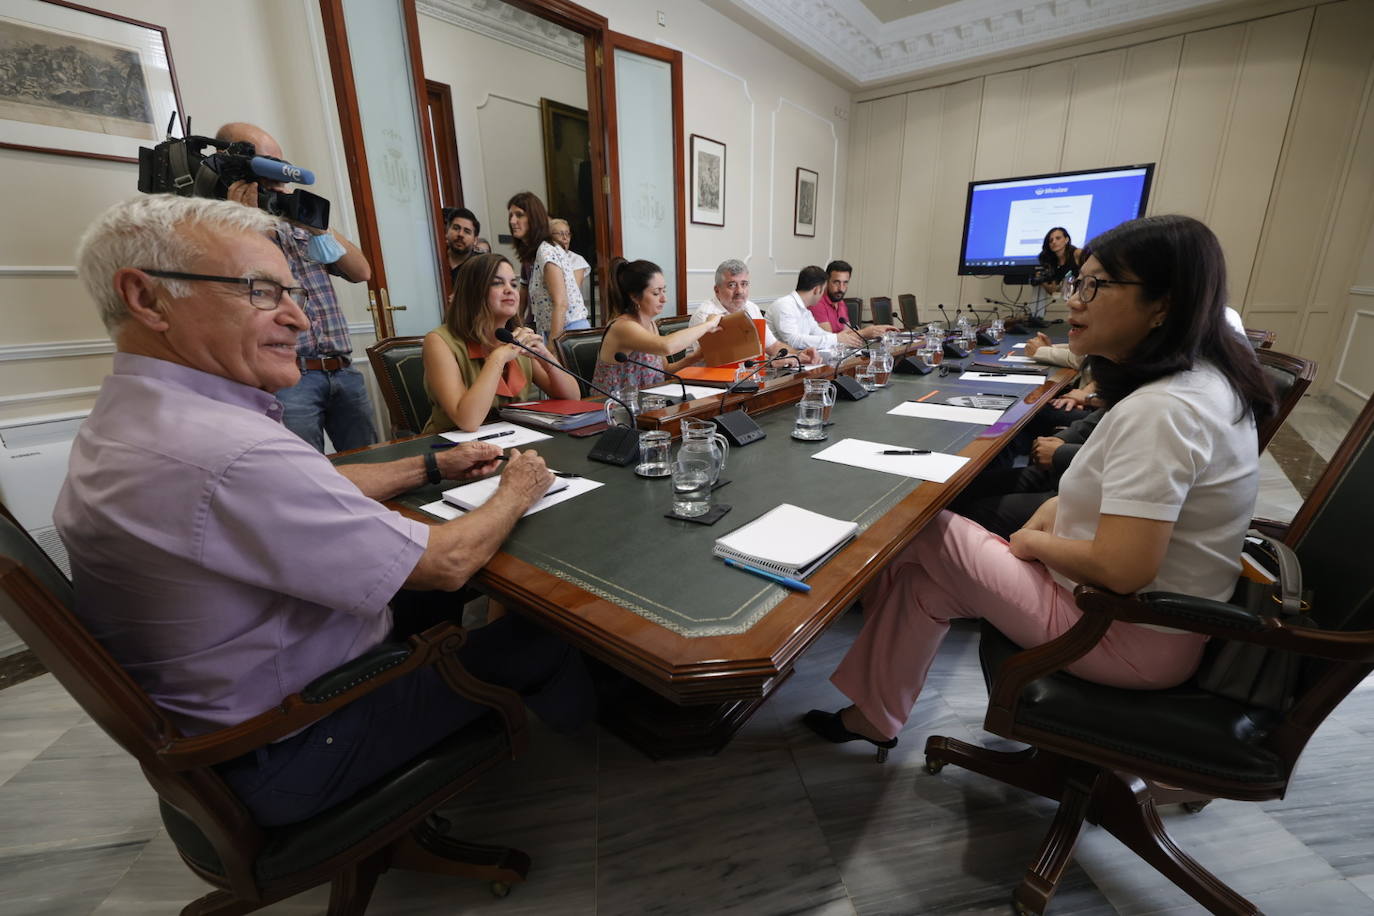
column 1086, row 287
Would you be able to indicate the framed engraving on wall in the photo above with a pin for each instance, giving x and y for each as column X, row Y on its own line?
column 708, row 181
column 79, row 82
column 804, row 210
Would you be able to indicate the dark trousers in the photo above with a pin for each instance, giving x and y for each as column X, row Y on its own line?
column 355, row 746
column 1002, row 501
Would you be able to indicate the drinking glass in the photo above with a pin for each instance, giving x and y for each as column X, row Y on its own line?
column 691, row 487
column 654, row 459
column 998, row 329
column 652, row 402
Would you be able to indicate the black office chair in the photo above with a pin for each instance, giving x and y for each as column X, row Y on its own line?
column 880, row 307
column 670, row 323
column 1290, row 376
column 1261, row 339
column 387, row 825
column 577, row 350
column 855, row 307
column 400, row 370
column 906, row 302
column 1112, row 756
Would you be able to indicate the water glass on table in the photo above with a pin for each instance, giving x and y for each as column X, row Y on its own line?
column 654, row 454
column 692, row 487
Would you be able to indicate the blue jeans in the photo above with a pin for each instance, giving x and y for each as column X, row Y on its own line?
column 333, row 402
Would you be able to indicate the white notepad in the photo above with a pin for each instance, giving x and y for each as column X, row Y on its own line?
column 1014, row 379
column 937, row 467
column 788, row 540
column 515, row 435
column 1014, row 358
column 927, row 411
column 472, row 495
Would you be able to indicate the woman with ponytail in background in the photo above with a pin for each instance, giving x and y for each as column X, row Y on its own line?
column 638, row 293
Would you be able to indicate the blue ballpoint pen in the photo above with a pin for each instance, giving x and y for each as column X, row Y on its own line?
column 794, row 584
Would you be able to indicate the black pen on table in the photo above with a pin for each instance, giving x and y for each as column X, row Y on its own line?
column 509, row 432
column 905, row 451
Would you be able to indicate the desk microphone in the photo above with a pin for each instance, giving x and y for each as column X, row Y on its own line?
column 618, row 444
column 625, row 358
column 944, row 316
column 737, row 426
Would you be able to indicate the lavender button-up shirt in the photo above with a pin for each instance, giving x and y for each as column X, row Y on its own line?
column 220, row 559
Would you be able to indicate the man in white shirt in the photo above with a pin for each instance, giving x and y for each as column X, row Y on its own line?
column 732, row 295
column 791, row 321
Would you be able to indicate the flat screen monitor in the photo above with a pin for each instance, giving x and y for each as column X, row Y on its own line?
column 1006, row 220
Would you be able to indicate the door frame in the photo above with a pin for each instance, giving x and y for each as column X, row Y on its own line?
column 600, row 73
column 673, row 59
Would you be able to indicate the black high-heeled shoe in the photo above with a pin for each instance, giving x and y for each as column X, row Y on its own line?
column 830, row 726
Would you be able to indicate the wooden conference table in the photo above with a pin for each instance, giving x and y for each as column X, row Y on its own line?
column 703, row 645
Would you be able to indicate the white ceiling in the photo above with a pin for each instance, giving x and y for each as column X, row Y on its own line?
column 870, row 42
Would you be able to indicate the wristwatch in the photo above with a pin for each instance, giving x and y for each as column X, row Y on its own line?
column 432, row 474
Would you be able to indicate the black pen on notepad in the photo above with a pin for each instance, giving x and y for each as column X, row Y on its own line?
column 905, row 451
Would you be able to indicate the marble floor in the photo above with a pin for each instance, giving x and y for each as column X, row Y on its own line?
column 777, row 823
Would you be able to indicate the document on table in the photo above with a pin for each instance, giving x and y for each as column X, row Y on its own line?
column 471, row 495
column 675, row 391
column 859, row 453
column 926, row 411
column 1015, row 379
column 513, row 435
column 1015, row 358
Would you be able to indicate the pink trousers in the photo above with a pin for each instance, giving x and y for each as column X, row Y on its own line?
column 956, row 568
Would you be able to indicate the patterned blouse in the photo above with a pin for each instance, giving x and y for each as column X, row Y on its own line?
column 540, row 301
column 616, row 376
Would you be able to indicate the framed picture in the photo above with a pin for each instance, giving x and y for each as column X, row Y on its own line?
column 568, row 171
column 804, row 211
column 708, row 181
column 80, row 82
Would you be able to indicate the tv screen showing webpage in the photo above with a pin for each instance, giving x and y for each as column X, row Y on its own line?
column 1005, row 221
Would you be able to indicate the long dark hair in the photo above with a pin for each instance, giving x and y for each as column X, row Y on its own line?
column 629, row 280
column 468, row 317
column 538, row 231
column 1051, row 260
column 1178, row 259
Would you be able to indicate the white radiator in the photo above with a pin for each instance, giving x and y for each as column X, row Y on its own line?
column 33, row 464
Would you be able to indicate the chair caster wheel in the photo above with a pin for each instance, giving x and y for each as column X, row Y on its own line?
column 934, row 766
column 1020, row 909
column 499, row 889
column 1193, row 807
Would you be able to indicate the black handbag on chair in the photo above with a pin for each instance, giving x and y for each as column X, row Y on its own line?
column 1258, row 675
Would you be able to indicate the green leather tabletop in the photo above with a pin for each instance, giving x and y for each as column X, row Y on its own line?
column 616, row 543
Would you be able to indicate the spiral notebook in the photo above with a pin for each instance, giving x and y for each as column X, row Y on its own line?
column 788, row 540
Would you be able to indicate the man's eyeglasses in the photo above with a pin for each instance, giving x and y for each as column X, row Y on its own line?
column 263, row 294
column 1086, row 287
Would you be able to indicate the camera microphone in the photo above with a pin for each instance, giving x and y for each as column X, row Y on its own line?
column 280, row 170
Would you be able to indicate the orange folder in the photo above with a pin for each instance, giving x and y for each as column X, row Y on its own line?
column 737, row 338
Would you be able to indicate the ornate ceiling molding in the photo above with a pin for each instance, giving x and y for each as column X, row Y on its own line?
column 503, row 22
column 852, row 39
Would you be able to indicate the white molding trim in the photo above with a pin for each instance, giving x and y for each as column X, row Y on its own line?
column 356, row 328
column 1362, row 290
column 753, row 153
column 505, row 98
column 56, row 349
column 20, row 270
column 510, row 25
column 1345, row 351
column 42, row 397
column 773, row 183
column 853, row 40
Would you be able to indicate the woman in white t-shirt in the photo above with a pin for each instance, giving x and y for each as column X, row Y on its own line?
column 1157, row 500
column 554, row 297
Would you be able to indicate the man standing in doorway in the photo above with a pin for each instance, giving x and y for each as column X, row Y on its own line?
column 331, row 396
column 462, row 231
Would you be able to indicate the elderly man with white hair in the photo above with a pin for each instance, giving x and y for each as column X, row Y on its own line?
column 731, row 294
column 223, row 561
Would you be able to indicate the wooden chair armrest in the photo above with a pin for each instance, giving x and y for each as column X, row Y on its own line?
column 1227, row 621
column 1031, row 664
column 343, row 685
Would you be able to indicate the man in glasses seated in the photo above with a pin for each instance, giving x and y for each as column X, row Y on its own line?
column 224, row 563
column 331, row 395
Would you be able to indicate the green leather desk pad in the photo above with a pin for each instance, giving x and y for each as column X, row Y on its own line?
column 614, row 542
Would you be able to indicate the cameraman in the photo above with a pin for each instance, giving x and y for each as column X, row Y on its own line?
column 331, row 395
